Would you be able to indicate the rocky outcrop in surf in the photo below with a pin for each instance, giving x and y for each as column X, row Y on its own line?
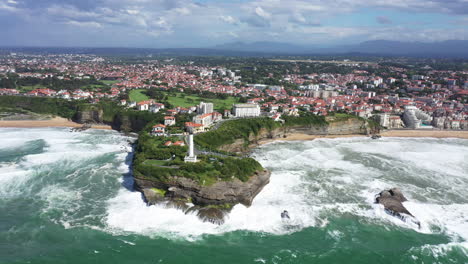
column 392, row 200
column 211, row 202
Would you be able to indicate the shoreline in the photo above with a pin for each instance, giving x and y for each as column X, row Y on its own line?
column 463, row 134
column 54, row 122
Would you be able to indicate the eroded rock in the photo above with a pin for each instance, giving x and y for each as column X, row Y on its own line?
column 392, row 200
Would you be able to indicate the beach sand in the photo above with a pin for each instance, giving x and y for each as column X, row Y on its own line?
column 54, row 122
column 388, row 133
column 426, row 133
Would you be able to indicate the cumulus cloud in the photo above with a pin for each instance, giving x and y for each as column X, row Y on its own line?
column 303, row 21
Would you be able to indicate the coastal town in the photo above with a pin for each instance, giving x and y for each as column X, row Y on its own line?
column 393, row 95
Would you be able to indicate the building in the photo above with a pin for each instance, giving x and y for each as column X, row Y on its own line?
column 384, row 119
column 194, row 127
column 415, row 118
column 246, row 110
column 169, row 120
column 395, row 122
column 191, row 157
column 207, row 119
column 205, row 108
column 156, row 107
column 143, row 105
column 158, row 130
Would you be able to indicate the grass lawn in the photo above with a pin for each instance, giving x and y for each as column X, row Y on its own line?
column 190, row 100
column 156, row 162
column 138, row 95
column 93, row 86
column 27, row 88
column 108, row 82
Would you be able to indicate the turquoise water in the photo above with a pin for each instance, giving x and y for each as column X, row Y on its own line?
column 67, row 198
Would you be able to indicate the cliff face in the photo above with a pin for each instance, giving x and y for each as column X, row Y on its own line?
column 221, row 193
column 89, row 116
column 211, row 203
column 334, row 127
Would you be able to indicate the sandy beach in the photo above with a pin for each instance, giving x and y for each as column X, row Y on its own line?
column 388, row 133
column 54, row 122
column 426, row 133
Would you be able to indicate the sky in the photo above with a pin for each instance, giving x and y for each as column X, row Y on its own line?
column 207, row 23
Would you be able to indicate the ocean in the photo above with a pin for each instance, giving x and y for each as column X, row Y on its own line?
column 67, row 198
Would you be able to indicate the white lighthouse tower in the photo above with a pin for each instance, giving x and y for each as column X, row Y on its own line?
column 191, row 153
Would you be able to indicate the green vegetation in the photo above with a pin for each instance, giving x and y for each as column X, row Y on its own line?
column 229, row 131
column 153, row 160
column 28, row 88
column 304, row 119
column 110, row 82
column 31, row 83
column 119, row 117
column 138, row 95
column 182, row 100
column 205, row 172
column 41, row 105
column 232, row 130
column 159, row 191
column 156, row 162
column 175, row 98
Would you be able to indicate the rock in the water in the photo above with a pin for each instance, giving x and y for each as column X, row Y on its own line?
column 212, row 215
column 392, row 200
column 178, row 204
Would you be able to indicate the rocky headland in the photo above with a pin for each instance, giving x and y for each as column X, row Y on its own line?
column 211, row 202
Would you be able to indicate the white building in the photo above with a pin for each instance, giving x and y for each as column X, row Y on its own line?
column 384, row 119
column 158, row 130
column 415, row 118
column 205, row 108
column 169, row 120
column 207, row 119
column 246, row 110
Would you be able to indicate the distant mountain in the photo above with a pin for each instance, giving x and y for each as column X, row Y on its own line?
column 263, row 46
column 449, row 48
column 444, row 48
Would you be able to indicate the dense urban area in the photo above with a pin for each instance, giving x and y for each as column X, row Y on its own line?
column 396, row 92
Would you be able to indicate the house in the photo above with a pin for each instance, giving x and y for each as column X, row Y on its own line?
column 156, row 107
column 169, row 120
column 143, row 105
column 179, row 143
column 158, row 130
column 276, row 117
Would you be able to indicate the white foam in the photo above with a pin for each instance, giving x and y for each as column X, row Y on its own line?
column 129, row 213
column 309, row 179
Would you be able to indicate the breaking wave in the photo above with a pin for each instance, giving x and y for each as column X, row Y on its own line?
column 82, row 180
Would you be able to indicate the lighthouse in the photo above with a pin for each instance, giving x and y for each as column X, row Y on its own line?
column 191, row 157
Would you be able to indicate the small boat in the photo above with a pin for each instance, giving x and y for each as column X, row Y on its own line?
column 376, row 136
